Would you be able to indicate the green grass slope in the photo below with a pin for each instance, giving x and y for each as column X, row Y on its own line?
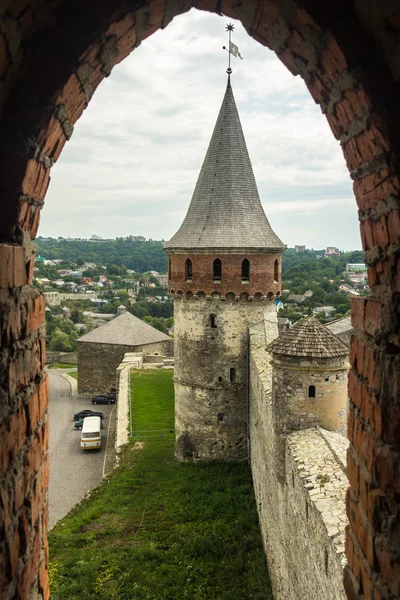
column 157, row 529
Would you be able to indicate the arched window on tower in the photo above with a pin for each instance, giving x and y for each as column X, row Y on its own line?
column 276, row 270
column 217, row 270
column 312, row 392
column 245, row 271
column 188, row 270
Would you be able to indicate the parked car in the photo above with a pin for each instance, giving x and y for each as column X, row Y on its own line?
column 87, row 413
column 103, row 400
column 111, row 394
column 78, row 424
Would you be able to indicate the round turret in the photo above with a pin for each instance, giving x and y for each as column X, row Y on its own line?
column 310, row 367
column 224, row 275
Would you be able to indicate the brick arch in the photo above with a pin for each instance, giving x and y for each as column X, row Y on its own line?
column 51, row 61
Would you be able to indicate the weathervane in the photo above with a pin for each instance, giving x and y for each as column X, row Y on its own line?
column 232, row 48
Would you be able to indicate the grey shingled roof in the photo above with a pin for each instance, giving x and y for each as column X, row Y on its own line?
column 225, row 211
column 342, row 328
column 308, row 337
column 125, row 330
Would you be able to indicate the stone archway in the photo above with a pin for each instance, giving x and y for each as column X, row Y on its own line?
column 52, row 58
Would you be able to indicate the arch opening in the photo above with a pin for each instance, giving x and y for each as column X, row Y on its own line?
column 217, row 270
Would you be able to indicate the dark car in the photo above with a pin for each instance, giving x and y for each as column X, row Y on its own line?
column 78, row 424
column 103, row 400
column 111, row 394
column 87, row 413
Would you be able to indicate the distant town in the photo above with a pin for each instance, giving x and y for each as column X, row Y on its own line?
column 85, row 281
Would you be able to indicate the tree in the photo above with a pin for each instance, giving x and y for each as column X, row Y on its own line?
column 61, row 342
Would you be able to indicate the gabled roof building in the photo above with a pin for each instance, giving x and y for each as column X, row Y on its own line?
column 101, row 351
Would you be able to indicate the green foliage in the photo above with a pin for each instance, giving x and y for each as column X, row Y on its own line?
column 310, row 270
column 61, row 334
column 152, row 309
column 62, row 366
column 139, row 256
column 158, row 529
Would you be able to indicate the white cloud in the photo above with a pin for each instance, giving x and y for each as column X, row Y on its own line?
column 136, row 152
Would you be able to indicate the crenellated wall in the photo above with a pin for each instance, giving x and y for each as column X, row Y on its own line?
column 300, row 485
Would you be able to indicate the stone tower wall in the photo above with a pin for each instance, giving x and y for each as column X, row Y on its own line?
column 261, row 281
column 211, row 401
column 291, row 379
column 299, row 486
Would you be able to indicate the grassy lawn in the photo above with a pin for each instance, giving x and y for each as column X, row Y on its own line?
column 62, row 366
column 73, row 374
column 159, row 530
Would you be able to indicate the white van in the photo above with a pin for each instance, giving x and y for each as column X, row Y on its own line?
column 91, row 433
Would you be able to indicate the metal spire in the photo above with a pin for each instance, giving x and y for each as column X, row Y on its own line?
column 232, row 48
column 229, row 28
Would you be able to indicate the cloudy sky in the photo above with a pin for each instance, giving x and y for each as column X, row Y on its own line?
column 133, row 160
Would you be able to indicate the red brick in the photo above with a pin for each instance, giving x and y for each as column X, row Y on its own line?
column 43, row 394
column 13, row 433
column 367, row 232
column 36, row 314
column 357, row 313
column 393, row 225
column 30, row 567
column 12, row 272
column 261, row 274
column 33, row 412
column 360, row 527
column 380, row 232
column 353, row 472
column 332, row 59
column 73, row 97
column 44, row 580
column 373, row 317
column 14, row 552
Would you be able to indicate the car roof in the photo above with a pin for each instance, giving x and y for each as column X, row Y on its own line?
column 90, row 423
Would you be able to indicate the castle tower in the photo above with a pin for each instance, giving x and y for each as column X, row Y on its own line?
column 224, row 275
column 309, row 373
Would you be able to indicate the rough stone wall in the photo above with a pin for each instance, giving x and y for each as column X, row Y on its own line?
column 52, row 298
column 261, row 279
column 211, row 405
column 291, row 378
column 97, row 363
column 61, row 357
column 347, row 52
column 300, row 499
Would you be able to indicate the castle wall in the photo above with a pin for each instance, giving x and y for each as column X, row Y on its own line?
column 300, row 485
column 211, row 408
column 97, row 363
column 291, row 379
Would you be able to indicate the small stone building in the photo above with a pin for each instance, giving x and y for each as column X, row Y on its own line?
column 101, row 351
column 310, row 368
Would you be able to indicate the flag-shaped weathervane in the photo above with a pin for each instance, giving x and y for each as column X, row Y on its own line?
column 232, row 49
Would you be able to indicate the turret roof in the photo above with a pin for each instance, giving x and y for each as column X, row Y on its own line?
column 225, row 211
column 308, row 337
column 125, row 330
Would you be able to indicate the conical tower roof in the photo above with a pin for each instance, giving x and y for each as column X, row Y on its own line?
column 225, row 211
column 308, row 337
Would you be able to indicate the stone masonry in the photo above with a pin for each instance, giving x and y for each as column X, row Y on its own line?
column 300, row 486
column 52, row 58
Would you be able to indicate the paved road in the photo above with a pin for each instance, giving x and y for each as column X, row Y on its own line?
column 73, row 472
